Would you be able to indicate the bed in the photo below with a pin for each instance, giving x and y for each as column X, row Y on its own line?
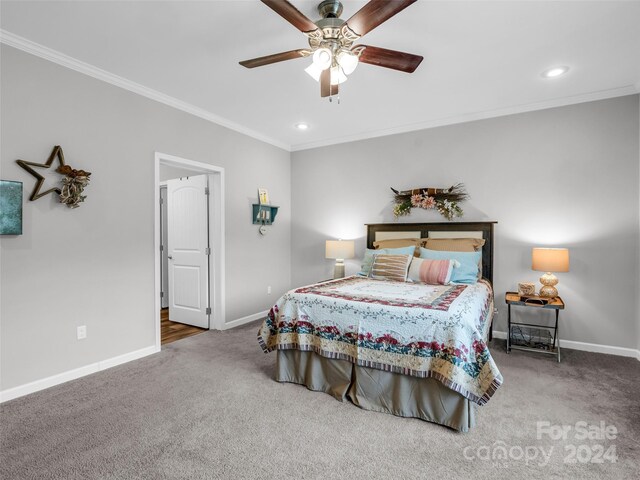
column 407, row 349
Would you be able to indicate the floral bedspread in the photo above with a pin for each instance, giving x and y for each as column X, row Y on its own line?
column 414, row 329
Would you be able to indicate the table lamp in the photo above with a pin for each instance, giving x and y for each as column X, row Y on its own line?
column 339, row 249
column 549, row 260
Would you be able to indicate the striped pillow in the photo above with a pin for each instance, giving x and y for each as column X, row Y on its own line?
column 433, row 272
column 369, row 256
column 390, row 267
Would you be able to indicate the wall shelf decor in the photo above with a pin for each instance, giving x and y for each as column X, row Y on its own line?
column 263, row 196
column 264, row 214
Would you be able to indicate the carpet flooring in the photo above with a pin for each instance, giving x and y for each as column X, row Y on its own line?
column 206, row 407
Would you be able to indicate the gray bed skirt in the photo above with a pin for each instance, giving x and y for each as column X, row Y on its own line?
column 377, row 390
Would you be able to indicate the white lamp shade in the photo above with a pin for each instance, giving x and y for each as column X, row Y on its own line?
column 348, row 61
column 550, row 259
column 314, row 71
column 322, row 58
column 337, row 76
column 340, row 249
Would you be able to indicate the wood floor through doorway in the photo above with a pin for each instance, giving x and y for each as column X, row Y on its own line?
column 172, row 331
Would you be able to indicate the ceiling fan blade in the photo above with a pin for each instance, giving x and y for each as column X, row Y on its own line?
column 374, row 13
column 291, row 14
column 334, row 89
column 275, row 58
column 405, row 62
column 325, row 83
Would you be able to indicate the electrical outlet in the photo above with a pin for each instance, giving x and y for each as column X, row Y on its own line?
column 82, row 332
column 269, row 290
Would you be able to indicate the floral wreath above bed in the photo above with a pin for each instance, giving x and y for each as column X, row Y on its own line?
column 444, row 200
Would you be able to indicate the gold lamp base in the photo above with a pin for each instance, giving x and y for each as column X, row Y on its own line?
column 549, row 280
column 338, row 270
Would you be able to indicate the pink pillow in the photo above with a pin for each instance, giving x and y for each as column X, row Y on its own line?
column 432, row 272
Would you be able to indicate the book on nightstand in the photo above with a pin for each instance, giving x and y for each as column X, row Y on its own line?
column 534, row 300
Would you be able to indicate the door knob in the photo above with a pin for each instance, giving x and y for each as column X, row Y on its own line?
column 170, row 257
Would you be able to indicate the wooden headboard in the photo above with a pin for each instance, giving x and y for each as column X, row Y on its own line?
column 424, row 228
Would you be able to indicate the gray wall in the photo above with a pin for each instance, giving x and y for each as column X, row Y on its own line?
column 94, row 265
column 566, row 176
column 560, row 177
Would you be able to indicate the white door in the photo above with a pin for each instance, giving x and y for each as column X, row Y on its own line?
column 188, row 248
column 164, row 253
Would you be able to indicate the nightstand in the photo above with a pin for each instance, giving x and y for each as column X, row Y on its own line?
column 529, row 337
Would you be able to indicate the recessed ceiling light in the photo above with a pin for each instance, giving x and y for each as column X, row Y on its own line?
column 555, row 72
column 302, row 126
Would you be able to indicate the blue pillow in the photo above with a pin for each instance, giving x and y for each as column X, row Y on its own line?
column 467, row 272
column 369, row 255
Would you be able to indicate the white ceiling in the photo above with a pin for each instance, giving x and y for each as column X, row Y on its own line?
column 481, row 59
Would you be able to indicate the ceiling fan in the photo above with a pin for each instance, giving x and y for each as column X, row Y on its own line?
column 331, row 41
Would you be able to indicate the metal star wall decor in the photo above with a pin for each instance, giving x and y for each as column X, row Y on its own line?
column 56, row 153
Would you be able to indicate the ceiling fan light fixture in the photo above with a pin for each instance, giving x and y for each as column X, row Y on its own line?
column 314, row 71
column 322, row 58
column 348, row 61
column 331, row 41
column 337, row 76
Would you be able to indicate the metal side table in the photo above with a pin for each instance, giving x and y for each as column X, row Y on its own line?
column 530, row 337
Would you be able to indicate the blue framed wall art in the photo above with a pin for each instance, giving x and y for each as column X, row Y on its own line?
column 10, row 207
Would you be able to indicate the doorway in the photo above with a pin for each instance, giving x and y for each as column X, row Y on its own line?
column 190, row 259
column 184, row 250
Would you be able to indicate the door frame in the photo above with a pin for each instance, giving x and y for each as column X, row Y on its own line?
column 163, row 271
column 216, row 237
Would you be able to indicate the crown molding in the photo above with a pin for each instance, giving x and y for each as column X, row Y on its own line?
column 54, row 56
column 470, row 117
column 64, row 60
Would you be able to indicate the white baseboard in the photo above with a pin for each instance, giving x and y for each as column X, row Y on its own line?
column 128, row 357
column 38, row 385
column 249, row 318
column 588, row 347
column 44, row 383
